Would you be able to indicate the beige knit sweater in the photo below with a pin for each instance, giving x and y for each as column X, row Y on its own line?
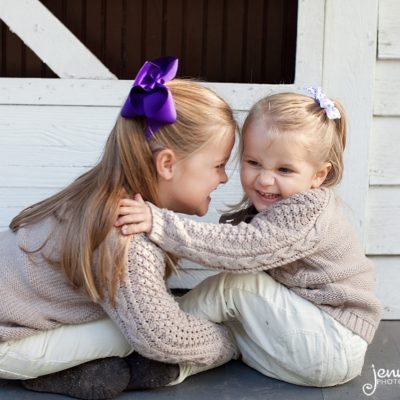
column 304, row 242
column 35, row 297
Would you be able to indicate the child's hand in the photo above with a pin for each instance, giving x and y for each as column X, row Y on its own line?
column 134, row 216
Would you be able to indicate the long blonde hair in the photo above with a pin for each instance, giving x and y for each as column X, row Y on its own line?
column 87, row 209
column 297, row 116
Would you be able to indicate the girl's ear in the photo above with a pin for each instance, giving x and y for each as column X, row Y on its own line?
column 321, row 175
column 165, row 161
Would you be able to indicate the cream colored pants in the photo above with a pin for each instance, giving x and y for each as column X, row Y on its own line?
column 279, row 333
column 61, row 348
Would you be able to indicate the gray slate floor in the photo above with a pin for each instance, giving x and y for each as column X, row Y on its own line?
column 236, row 381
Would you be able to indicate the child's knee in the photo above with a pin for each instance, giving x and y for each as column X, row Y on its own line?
column 206, row 300
column 250, row 282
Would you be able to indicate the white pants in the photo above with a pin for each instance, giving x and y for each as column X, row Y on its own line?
column 65, row 347
column 279, row 333
column 61, row 348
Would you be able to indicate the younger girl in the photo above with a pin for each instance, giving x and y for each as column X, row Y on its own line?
column 309, row 316
column 74, row 290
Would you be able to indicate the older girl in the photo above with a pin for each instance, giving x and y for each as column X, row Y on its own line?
column 75, row 290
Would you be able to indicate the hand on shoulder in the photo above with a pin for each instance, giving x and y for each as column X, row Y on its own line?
column 134, row 216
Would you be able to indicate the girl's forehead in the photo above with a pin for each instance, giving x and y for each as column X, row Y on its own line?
column 270, row 134
column 223, row 136
column 262, row 141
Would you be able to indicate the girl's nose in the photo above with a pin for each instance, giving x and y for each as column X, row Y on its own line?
column 266, row 178
column 224, row 177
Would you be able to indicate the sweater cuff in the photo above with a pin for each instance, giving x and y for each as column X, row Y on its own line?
column 157, row 230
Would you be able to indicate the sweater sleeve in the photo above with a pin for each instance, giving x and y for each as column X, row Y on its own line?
column 286, row 232
column 151, row 320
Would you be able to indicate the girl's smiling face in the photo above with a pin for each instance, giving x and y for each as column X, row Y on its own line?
column 274, row 169
column 195, row 177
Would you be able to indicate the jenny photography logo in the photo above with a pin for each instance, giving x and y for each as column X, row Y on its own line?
column 381, row 376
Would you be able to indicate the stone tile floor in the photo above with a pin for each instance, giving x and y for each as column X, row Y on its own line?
column 236, row 381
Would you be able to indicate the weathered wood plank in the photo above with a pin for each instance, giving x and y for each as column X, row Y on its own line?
column 74, row 92
column 387, row 278
column 42, row 156
column 90, row 92
column 387, row 88
column 41, row 31
column 355, row 91
column 383, row 220
column 22, row 197
column 389, row 29
column 78, row 128
column 310, row 42
column 43, row 176
column 384, row 162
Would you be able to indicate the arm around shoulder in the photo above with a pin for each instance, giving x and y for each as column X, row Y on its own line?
column 284, row 233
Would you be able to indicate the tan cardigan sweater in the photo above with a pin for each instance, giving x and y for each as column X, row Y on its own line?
column 303, row 242
column 35, row 297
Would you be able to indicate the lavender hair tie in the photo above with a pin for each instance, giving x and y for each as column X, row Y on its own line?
column 324, row 102
column 149, row 97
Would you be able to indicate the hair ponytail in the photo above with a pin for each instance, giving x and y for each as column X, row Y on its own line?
column 86, row 210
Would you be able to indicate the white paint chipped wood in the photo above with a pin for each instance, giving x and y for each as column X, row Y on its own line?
column 389, row 30
column 349, row 63
column 387, row 273
column 384, row 163
column 387, row 88
column 383, row 234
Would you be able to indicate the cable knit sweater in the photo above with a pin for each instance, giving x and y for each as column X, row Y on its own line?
column 303, row 242
column 35, row 297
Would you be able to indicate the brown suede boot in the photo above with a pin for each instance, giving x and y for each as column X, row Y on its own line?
column 149, row 374
column 95, row 380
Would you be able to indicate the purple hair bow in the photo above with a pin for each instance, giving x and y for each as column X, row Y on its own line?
column 149, row 97
column 324, row 102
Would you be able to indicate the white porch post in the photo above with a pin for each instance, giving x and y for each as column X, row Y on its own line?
column 348, row 71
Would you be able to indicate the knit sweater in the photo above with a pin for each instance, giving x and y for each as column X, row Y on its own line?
column 303, row 242
column 35, row 297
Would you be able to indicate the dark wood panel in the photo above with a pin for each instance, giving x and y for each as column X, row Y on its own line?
column 290, row 21
column 174, row 25
column 152, row 29
column 213, row 43
column 33, row 64
column 193, row 39
column 94, row 27
column 113, row 36
column 234, row 26
column 252, row 58
column 273, row 32
column 216, row 40
column 14, row 46
column 132, row 44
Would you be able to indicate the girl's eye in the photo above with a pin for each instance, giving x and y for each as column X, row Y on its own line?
column 284, row 170
column 220, row 166
column 252, row 163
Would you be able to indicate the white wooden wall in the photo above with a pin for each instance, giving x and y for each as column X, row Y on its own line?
column 51, row 130
column 383, row 218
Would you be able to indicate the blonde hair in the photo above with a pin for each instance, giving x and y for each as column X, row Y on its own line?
column 87, row 209
column 300, row 117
